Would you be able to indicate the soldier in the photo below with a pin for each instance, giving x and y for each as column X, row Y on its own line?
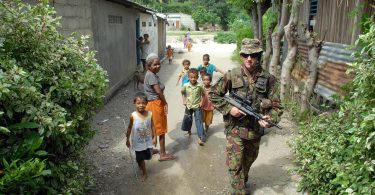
column 243, row 133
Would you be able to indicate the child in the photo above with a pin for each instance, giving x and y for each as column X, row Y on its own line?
column 142, row 132
column 189, row 45
column 210, row 68
column 202, row 72
column 184, row 74
column 207, row 106
column 192, row 97
column 170, row 54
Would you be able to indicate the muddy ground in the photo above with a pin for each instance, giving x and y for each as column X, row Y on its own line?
column 197, row 169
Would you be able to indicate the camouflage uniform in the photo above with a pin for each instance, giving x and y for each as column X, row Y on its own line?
column 244, row 133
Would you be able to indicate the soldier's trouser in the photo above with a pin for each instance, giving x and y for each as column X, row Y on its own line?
column 241, row 154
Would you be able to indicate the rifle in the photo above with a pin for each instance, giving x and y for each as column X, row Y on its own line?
column 245, row 106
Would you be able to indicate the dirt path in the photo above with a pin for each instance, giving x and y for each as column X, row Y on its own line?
column 198, row 170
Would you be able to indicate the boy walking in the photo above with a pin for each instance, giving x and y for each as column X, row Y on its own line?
column 192, row 97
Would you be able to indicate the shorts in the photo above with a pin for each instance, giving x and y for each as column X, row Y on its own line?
column 207, row 116
column 143, row 155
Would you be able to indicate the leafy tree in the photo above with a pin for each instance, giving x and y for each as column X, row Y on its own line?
column 221, row 9
column 202, row 16
column 255, row 9
column 49, row 88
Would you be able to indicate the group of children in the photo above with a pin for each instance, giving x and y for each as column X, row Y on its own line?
column 195, row 96
column 141, row 134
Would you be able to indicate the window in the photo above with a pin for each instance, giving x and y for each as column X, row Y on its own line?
column 313, row 11
column 149, row 24
column 143, row 24
column 114, row 19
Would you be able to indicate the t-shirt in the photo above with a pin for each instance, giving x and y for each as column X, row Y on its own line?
column 207, row 104
column 210, row 68
column 141, row 135
column 193, row 95
column 184, row 74
column 150, row 80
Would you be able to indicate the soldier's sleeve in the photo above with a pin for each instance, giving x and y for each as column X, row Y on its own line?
column 274, row 95
column 217, row 92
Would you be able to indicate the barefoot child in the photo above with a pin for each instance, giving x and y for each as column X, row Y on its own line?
column 207, row 106
column 170, row 54
column 184, row 74
column 141, row 133
column 192, row 96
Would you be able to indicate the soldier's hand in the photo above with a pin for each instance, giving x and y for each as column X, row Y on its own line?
column 264, row 123
column 236, row 112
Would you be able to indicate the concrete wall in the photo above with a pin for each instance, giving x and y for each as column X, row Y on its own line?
column 162, row 37
column 187, row 21
column 114, row 30
column 151, row 29
column 76, row 16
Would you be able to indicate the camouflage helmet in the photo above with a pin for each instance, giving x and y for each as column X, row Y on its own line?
column 250, row 46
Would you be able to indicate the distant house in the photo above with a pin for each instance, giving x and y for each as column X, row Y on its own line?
column 333, row 22
column 113, row 26
column 177, row 20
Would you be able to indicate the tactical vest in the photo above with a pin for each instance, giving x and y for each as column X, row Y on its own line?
column 256, row 92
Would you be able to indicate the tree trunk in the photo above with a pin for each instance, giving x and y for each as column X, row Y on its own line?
column 196, row 26
column 260, row 24
column 314, row 47
column 276, row 37
column 225, row 27
column 291, row 36
column 357, row 18
column 254, row 22
column 267, row 54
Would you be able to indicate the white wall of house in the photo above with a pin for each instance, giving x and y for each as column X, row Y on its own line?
column 183, row 20
column 149, row 26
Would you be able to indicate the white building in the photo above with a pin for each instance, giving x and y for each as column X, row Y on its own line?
column 177, row 20
column 153, row 24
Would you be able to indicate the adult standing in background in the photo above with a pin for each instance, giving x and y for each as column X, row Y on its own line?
column 188, row 34
column 140, row 51
column 157, row 103
column 145, row 50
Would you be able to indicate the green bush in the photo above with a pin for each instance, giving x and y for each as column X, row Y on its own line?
column 49, row 88
column 225, row 37
column 336, row 152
